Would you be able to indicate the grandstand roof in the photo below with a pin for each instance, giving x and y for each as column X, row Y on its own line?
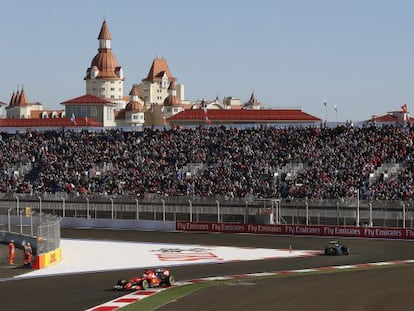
column 391, row 117
column 197, row 116
column 49, row 123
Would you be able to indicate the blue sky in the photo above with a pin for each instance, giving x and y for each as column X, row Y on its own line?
column 356, row 55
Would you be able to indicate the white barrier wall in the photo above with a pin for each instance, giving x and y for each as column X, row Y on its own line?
column 145, row 225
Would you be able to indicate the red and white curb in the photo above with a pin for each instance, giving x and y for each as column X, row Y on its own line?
column 320, row 269
column 127, row 299
column 142, row 294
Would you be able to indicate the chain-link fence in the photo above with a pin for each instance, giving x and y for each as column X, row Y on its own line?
column 44, row 229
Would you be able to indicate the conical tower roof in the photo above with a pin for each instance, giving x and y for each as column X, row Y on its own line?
column 158, row 68
column 104, row 63
column 104, row 34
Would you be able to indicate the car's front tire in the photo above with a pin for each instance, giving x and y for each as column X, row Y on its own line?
column 144, row 284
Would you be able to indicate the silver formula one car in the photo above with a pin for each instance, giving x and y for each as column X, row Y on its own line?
column 334, row 248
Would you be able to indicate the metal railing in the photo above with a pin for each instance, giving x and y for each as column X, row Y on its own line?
column 341, row 212
column 24, row 221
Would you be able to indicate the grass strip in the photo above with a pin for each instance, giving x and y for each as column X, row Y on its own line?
column 166, row 296
column 174, row 293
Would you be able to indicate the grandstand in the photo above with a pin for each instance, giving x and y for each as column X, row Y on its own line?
column 258, row 161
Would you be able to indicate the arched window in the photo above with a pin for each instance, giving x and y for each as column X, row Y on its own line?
column 164, row 83
column 44, row 115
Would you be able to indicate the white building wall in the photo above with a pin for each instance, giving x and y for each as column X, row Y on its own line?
column 108, row 116
column 153, row 92
column 135, row 118
column 180, row 91
column 111, row 90
column 19, row 112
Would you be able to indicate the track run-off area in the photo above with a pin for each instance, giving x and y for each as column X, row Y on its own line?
column 93, row 260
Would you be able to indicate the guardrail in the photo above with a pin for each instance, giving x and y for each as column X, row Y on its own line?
column 315, row 212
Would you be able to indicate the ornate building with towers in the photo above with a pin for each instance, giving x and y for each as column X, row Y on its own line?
column 156, row 101
column 105, row 77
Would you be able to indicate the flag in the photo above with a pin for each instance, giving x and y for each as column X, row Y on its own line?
column 404, row 108
column 208, row 122
column 73, row 118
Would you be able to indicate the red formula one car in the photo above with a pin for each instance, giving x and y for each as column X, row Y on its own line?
column 150, row 278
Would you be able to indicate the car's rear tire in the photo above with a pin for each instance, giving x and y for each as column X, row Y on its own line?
column 345, row 250
column 170, row 280
column 121, row 282
column 144, row 284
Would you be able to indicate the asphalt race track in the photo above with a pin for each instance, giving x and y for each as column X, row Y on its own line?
column 375, row 289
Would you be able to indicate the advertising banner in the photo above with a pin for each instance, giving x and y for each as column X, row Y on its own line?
column 302, row 230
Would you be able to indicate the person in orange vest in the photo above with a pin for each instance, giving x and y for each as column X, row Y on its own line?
column 27, row 249
column 11, row 252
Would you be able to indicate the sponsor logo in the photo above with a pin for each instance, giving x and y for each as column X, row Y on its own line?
column 299, row 229
column 186, row 256
column 190, row 226
column 182, row 250
column 380, row 232
column 52, row 258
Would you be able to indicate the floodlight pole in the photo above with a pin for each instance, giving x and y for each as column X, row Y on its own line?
column 357, row 214
column 9, row 218
column 307, row 212
column 87, row 208
column 137, row 205
column 218, row 210
column 191, row 210
column 63, row 207
column 163, row 209
column 403, row 207
column 40, row 204
column 17, row 204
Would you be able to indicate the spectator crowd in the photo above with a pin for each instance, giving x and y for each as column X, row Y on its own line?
column 235, row 162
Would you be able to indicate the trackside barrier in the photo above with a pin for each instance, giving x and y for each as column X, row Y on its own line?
column 23, row 225
column 144, row 225
column 302, row 230
column 47, row 259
